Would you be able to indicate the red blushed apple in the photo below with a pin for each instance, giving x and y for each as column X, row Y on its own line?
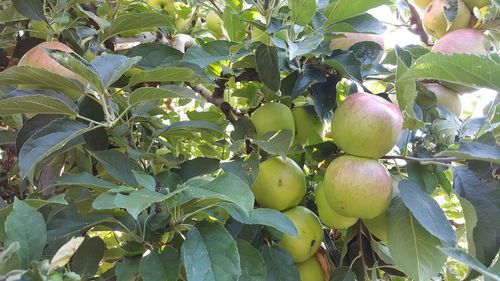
column 357, row 187
column 366, row 125
column 463, row 41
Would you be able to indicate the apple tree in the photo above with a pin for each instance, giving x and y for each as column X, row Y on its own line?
column 248, row 140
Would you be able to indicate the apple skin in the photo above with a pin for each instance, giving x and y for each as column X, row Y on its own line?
column 310, row 234
column 214, row 24
column 327, row 214
column 273, row 117
column 476, row 3
column 366, row 125
column 377, row 226
column 446, row 97
column 310, row 270
column 422, row 4
column 351, row 38
column 166, row 5
column 357, row 187
column 463, row 41
column 37, row 57
column 280, row 184
column 307, row 125
column 434, row 20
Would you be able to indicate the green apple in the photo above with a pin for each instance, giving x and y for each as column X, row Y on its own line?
column 377, row 226
column 327, row 214
column 434, row 20
column 476, row 3
column 166, row 5
column 310, row 234
column 272, row 117
column 310, row 270
column 280, row 184
column 350, row 38
column 214, row 24
column 357, row 187
column 366, row 125
column 309, row 129
column 422, row 4
column 446, row 97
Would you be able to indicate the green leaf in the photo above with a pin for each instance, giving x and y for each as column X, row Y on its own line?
column 117, row 164
column 470, row 218
column 427, row 211
column 311, row 75
column 9, row 259
column 279, row 264
column 365, row 23
column 343, row 9
column 209, row 53
column 85, row 179
column 7, row 137
column 412, row 248
column 252, row 264
column 469, row 260
column 305, row 46
column 155, row 54
column 64, row 254
column 32, row 9
column 128, row 22
column 39, row 78
column 145, row 180
column 276, row 143
column 162, row 265
column 87, row 258
column 210, row 253
column 268, row 66
column 128, row 268
column 463, row 69
column 234, row 26
column 138, row 201
column 190, row 126
column 197, row 167
column 346, row 63
column 111, row 67
column 79, row 66
column 9, row 14
column 168, row 74
column 149, row 93
column 343, row 273
column 34, row 104
column 47, row 140
column 20, row 226
column 302, row 10
column 472, row 151
column 246, row 168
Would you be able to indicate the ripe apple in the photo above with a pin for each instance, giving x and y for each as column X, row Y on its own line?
column 37, row 57
column 476, row 3
column 310, row 270
column 326, row 213
column 272, row 117
column 310, row 234
column 377, row 226
column 280, row 184
column 446, row 98
column 422, row 4
column 308, row 126
column 351, row 38
column 464, row 41
column 214, row 24
column 366, row 125
column 434, row 20
column 357, row 187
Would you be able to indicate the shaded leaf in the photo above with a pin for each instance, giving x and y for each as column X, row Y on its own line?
column 163, row 265
column 35, row 103
column 234, row 27
column 87, row 258
column 197, row 167
column 343, row 273
column 138, row 201
column 252, row 264
column 305, row 46
column 311, row 75
column 149, row 93
column 117, row 164
column 32, row 9
column 279, row 264
column 128, row 22
column 469, row 260
column 85, row 179
column 276, row 143
column 268, row 66
column 168, row 74
column 472, row 151
column 111, row 67
column 154, row 54
column 190, row 126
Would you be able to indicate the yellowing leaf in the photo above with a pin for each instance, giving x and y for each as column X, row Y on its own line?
column 65, row 253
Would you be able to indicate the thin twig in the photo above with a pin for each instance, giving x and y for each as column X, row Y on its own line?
column 416, row 159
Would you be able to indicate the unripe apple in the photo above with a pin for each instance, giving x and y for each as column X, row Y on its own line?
column 310, row 234
column 272, row 117
column 422, row 4
column 366, row 125
column 280, row 184
column 310, row 270
column 214, row 24
column 351, row 38
column 377, row 226
column 476, row 3
column 357, row 187
column 327, row 214
column 434, row 20
column 166, row 5
column 37, row 57
column 446, row 98
column 463, row 41
column 308, row 126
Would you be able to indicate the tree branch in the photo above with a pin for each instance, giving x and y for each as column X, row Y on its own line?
column 416, row 159
column 416, row 24
column 224, row 106
column 117, row 43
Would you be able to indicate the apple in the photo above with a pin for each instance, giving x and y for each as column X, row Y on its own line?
column 434, row 20
column 422, row 4
column 166, row 5
column 214, row 24
column 272, row 117
column 280, row 184
column 309, row 129
column 476, row 3
column 446, row 97
column 351, row 38
column 310, row 270
column 327, row 214
column 463, row 41
column 310, row 234
column 377, row 226
column 357, row 187
column 366, row 125
column 37, row 57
